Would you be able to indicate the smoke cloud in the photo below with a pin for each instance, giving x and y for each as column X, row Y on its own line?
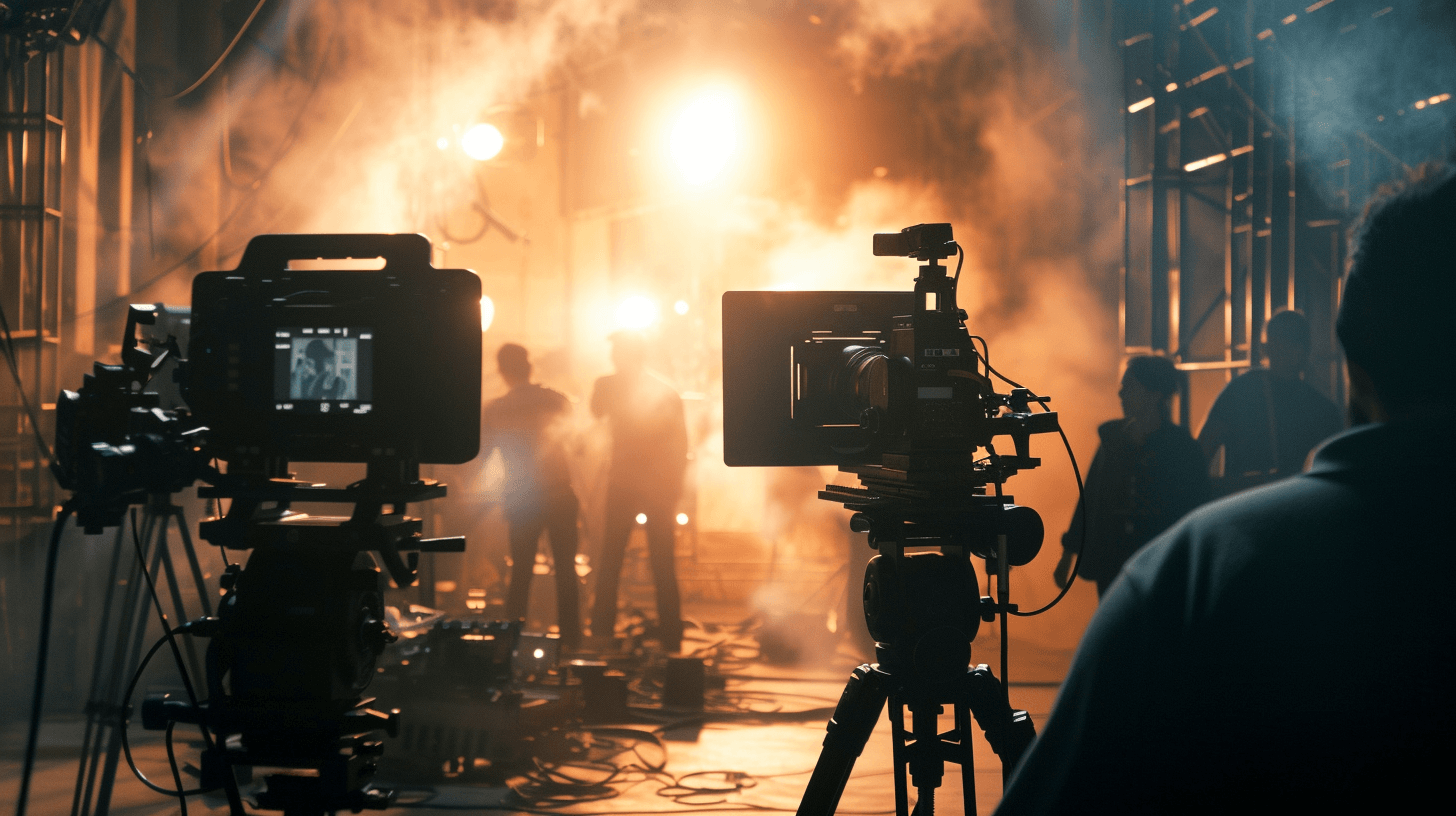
column 344, row 133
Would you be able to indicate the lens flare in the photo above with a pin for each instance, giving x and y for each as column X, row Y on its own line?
column 636, row 313
column 487, row 312
column 681, row 307
column 705, row 136
column 682, row 518
column 482, row 142
column 641, row 518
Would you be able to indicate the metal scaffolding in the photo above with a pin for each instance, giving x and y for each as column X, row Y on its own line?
column 32, row 132
column 1229, row 216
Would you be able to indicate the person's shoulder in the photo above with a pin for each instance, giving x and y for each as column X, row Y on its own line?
column 1240, row 526
column 1111, row 430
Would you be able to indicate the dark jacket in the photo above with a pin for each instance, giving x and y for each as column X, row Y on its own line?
column 1133, row 492
column 1242, row 661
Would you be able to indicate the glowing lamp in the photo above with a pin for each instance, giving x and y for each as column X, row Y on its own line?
column 641, row 518
column 487, row 312
column 705, row 136
column 637, row 312
column 681, row 307
column 482, row 142
column 682, row 518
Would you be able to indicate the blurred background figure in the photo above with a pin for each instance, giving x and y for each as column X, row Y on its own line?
column 527, row 426
column 1267, row 420
column 1147, row 473
column 649, row 459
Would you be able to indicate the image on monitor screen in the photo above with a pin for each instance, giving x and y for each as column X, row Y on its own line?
column 322, row 369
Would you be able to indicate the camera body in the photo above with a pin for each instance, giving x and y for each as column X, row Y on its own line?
column 870, row 374
column 337, row 365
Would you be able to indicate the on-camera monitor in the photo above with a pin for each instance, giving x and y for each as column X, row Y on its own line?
column 323, row 369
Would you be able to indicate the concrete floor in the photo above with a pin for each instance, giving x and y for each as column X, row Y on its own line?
column 768, row 763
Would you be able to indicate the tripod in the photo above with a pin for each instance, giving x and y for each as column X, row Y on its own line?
column 118, row 649
column 923, row 610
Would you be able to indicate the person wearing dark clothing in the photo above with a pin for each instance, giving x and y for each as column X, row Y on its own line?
column 1267, row 420
column 1147, row 474
column 649, row 459
column 1220, row 673
column 525, row 425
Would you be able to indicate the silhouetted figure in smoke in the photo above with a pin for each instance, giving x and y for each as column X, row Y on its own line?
column 527, row 425
column 649, row 458
column 1146, row 475
column 1238, row 663
column 1267, row 420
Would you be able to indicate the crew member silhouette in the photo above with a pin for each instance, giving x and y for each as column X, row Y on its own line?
column 527, row 425
column 649, row 458
column 1146, row 474
column 1267, row 420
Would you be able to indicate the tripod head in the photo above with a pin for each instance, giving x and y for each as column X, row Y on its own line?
column 299, row 629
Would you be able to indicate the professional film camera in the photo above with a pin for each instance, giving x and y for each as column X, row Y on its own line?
column 890, row 386
column 376, row 366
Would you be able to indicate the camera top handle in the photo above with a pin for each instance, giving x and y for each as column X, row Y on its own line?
column 275, row 251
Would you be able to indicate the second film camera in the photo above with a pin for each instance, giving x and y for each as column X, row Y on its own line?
column 891, row 386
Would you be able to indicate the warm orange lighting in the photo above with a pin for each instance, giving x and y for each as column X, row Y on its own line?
column 681, row 307
column 442, row 142
column 1202, row 163
column 641, row 518
column 482, row 142
column 1140, row 104
column 636, row 313
column 487, row 312
column 682, row 518
column 705, row 136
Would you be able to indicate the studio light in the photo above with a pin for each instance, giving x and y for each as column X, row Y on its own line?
column 705, row 136
column 637, row 312
column 482, row 142
column 487, row 312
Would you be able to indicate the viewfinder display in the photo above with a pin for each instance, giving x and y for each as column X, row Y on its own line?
column 323, row 369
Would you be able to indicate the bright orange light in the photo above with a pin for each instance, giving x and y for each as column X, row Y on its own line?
column 442, row 143
column 682, row 518
column 705, row 136
column 636, row 313
column 641, row 518
column 482, row 142
column 681, row 307
column 487, row 312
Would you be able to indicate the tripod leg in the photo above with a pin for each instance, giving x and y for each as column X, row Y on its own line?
column 1009, row 732
column 967, row 758
column 95, row 702
column 163, row 549
column 205, row 599
column 849, row 729
column 897, row 734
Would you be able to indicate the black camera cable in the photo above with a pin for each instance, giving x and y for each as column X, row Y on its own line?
column 1081, row 499
column 48, row 592
column 169, row 637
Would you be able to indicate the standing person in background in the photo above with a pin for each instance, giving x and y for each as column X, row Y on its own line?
column 649, row 460
column 527, row 426
column 1267, row 420
column 1147, row 474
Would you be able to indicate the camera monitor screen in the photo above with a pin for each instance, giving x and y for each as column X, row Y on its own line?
column 323, row 369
